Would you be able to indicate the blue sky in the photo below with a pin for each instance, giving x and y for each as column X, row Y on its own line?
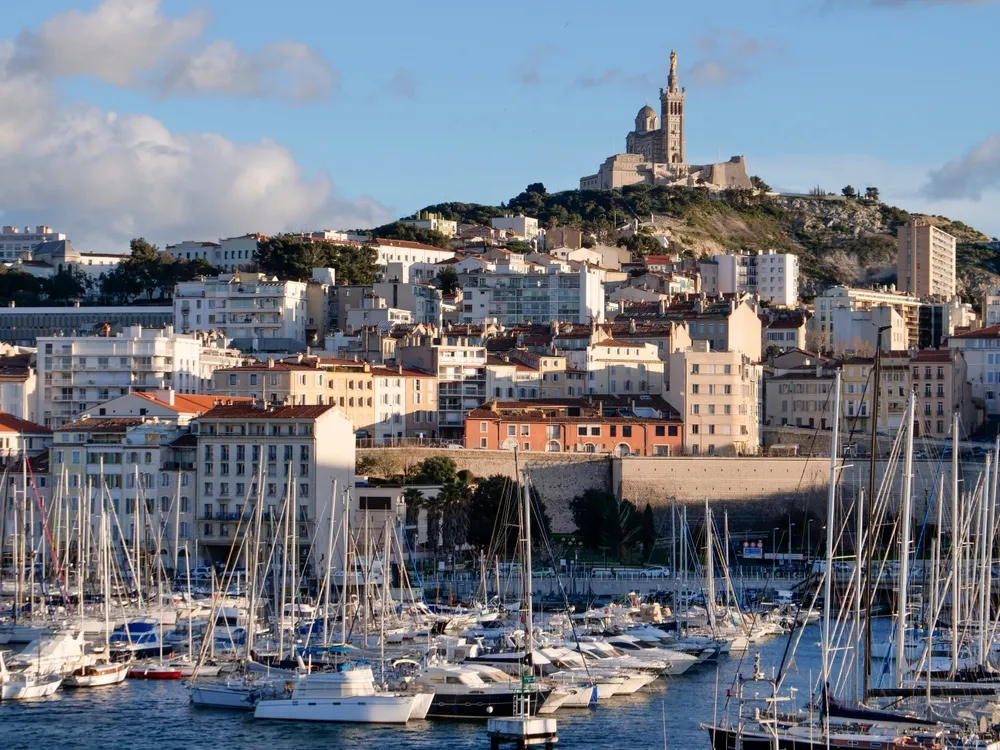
column 188, row 119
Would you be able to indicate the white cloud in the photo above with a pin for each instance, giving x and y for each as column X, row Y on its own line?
column 117, row 42
column 103, row 177
column 725, row 57
column 129, row 43
column 281, row 70
column 976, row 171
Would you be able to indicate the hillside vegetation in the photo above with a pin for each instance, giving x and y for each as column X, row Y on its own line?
column 839, row 240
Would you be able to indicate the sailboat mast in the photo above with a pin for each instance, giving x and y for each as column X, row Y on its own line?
column 710, row 566
column 984, row 561
column 956, row 554
column 904, row 546
column 526, row 575
column 869, row 588
column 831, row 499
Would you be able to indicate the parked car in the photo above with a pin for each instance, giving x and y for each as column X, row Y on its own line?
column 654, row 571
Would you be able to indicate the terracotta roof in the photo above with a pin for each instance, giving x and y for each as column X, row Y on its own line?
column 383, row 242
column 194, row 404
column 932, row 355
column 102, row 424
column 992, row 332
column 257, row 366
column 267, row 412
column 389, row 372
column 614, row 342
column 10, row 423
column 792, row 321
column 659, row 259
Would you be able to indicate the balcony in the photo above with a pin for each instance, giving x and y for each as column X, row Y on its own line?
column 177, row 466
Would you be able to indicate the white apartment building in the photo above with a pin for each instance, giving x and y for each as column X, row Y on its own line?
column 255, row 311
column 848, row 298
column 374, row 311
column 858, row 330
column 522, row 227
column 718, row 395
column 401, row 251
column 228, row 254
column 20, row 438
column 390, row 405
column 17, row 243
column 511, row 298
column 78, row 373
column 293, row 459
column 772, row 275
column 981, row 350
column 18, row 391
column 991, row 307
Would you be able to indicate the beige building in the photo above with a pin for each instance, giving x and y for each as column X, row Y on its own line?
column 275, row 382
column 925, row 260
column 800, row 398
column 940, row 383
column 405, row 404
column 717, row 395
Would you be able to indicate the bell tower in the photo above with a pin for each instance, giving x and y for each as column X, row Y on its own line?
column 672, row 117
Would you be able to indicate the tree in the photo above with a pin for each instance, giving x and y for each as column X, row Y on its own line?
column 436, row 470
column 383, row 464
column 293, row 258
column 493, row 515
column 19, row 287
column 397, row 230
column 448, row 279
column 647, row 530
column 602, row 521
column 640, row 244
column 871, row 194
column 849, row 192
column 67, row 285
column 520, row 246
column 433, row 508
column 414, row 499
column 759, row 184
column 455, row 497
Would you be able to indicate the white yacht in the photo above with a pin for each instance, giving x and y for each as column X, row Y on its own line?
column 16, row 686
column 97, row 675
column 346, row 696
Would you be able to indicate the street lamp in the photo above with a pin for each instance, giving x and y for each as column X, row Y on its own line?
column 774, row 551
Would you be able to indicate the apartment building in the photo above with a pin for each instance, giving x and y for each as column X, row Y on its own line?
column 421, row 301
column 847, row 298
column 255, row 311
column 290, row 458
column 127, row 465
column 647, row 427
column 784, row 332
column 802, row 397
column 289, row 383
column 509, row 296
column 402, row 251
column 859, row 390
column 18, row 386
column 866, row 331
column 17, row 243
column 78, row 373
column 717, row 394
column 730, row 324
column 523, row 374
column 981, row 351
column 622, row 368
column 351, row 388
column 771, row 275
column 433, row 222
column 405, row 404
column 522, row 227
column 925, row 260
column 459, row 362
column 21, row 438
column 941, row 386
column 228, row 254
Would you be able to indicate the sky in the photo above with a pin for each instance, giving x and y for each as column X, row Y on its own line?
column 199, row 119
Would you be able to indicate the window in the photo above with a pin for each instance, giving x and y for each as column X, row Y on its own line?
column 209, row 489
column 511, row 430
column 694, row 369
column 482, row 427
column 482, row 442
column 626, row 430
column 614, row 430
column 660, row 431
column 595, row 431
column 672, row 430
column 581, row 431
column 694, row 429
column 694, row 389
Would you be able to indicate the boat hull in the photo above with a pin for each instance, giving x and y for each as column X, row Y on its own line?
column 480, row 705
column 368, row 709
column 90, row 678
column 15, row 690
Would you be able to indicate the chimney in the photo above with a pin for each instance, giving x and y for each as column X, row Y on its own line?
column 270, row 363
column 166, row 395
column 662, row 307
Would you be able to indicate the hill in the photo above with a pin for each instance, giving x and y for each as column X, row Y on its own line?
column 839, row 240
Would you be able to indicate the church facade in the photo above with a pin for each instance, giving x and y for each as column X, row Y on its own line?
column 656, row 151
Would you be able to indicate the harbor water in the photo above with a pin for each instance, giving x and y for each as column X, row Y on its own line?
column 158, row 715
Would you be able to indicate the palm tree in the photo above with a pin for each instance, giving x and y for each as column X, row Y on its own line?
column 455, row 498
column 414, row 499
column 434, row 507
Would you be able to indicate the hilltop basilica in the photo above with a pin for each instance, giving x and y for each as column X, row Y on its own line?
column 656, row 151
